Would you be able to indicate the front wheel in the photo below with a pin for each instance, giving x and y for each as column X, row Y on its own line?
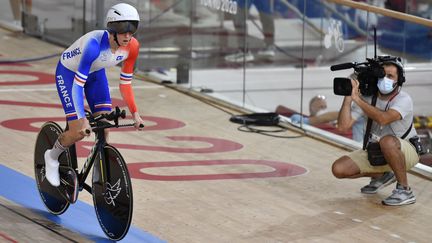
column 112, row 193
column 339, row 42
column 53, row 199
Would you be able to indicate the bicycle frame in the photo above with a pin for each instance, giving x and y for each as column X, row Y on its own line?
column 97, row 148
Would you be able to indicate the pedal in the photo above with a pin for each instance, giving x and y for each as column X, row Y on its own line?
column 68, row 184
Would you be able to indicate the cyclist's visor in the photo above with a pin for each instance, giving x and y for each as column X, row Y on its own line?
column 122, row 27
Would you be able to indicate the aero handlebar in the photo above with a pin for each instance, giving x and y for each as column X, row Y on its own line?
column 97, row 123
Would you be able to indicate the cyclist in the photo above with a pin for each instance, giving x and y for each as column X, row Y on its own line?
column 81, row 70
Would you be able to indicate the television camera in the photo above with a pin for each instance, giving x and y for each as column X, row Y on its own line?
column 367, row 74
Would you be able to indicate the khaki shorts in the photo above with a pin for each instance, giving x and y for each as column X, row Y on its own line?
column 361, row 160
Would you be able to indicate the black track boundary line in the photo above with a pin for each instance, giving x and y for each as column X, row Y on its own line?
column 40, row 224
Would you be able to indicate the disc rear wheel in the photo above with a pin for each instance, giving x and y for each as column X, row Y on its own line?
column 50, row 195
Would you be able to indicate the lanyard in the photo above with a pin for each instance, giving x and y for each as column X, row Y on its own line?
column 388, row 103
column 369, row 122
column 391, row 98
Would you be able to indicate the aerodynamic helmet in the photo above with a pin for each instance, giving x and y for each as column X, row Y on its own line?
column 122, row 18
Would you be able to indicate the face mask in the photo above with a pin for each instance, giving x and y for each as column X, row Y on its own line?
column 385, row 85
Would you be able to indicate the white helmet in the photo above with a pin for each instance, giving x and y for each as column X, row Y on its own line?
column 122, row 18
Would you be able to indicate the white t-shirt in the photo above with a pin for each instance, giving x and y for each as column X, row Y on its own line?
column 401, row 103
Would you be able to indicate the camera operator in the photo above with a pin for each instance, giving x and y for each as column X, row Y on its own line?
column 392, row 129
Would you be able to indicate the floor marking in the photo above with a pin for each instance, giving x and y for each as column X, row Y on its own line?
column 395, row 236
column 7, row 238
column 80, row 217
column 375, row 227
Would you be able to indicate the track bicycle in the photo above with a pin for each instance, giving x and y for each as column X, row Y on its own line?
column 111, row 185
column 334, row 32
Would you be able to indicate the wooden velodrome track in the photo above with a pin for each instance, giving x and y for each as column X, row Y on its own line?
column 196, row 178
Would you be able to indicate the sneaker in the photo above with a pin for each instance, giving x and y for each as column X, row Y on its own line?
column 240, row 57
column 400, row 196
column 51, row 169
column 268, row 52
column 375, row 184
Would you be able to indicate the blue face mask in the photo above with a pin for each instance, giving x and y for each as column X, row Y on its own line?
column 385, row 85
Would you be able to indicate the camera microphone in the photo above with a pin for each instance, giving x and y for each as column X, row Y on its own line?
column 343, row 66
